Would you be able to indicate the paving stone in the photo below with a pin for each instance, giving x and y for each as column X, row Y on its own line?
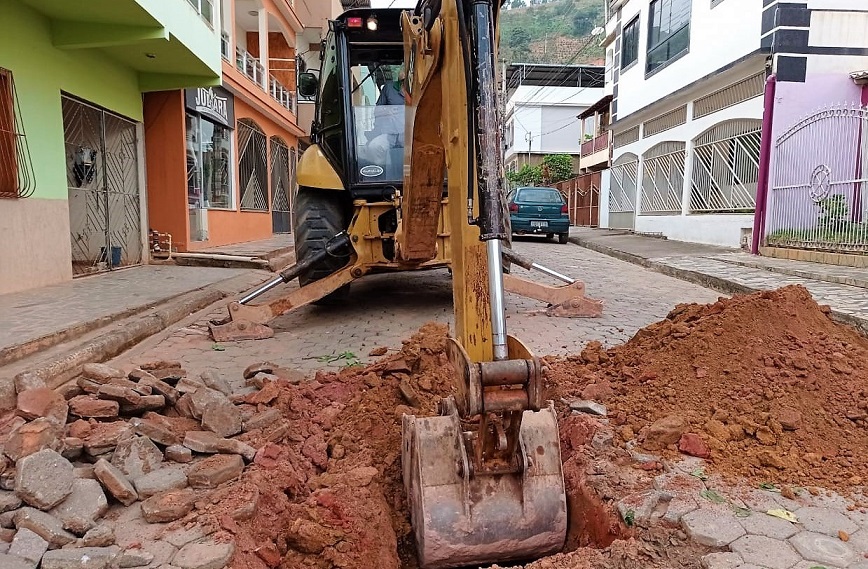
column 43, row 479
column 101, row 372
column 823, row 549
column 261, row 367
column 83, row 507
column 202, row 398
column 100, row 536
column 179, row 453
column 71, row 448
column 813, row 565
column 765, row 551
column 115, row 481
column 589, row 407
column 223, row 418
column 103, row 438
column 189, row 385
column 162, row 551
column 31, row 438
column 261, row 420
column 168, row 506
column 679, row 506
column 204, row 555
column 211, row 443
column 134, row 558
column 120, row 394
column 169, row 393
column 80, row 558
column 137, row 456
column 215, row 470
column 158, row 431
column 9, row 501
column 8, row 561
column 721, row 560
column 825, row 521
column 147, row 403
column 92, row 406
column 28, row 546
column 162, row 480
column 7, row 519
column 759, row 523
column 707, row 526
column 83, row 471
column 182, row 536
column 859, row 541
column 42, row 402
column 213, row 380
column 45, row 525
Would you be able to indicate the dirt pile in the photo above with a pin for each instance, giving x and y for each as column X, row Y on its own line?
column 775, row 390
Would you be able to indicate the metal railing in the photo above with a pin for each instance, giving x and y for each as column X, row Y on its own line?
column 224, row 45
column 250, row 66
column 726, row 168
column 281, row 94
column 663, row 179
column 594, row 145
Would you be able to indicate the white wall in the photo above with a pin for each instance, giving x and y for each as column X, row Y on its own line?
column 561, row 130
column 713, row 229
column 718, row 36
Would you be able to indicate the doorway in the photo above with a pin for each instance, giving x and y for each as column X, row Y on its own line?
column 105, row 213
column 282, row 176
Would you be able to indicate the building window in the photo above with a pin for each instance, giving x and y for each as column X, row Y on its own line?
column 209, row 164
column 668, row 31
column 630, row 43
column 17, row 177
column 205, row 9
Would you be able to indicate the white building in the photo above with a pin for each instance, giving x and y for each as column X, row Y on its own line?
column 687, row 79
column 543, row 102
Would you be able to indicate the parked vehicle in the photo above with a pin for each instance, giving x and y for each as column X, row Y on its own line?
column 539, row 211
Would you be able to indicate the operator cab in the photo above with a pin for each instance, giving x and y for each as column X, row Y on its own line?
column 359, row 121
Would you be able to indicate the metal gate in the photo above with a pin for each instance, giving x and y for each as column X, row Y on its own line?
column 281, row 183
column 253, row 166
column 819, row 194
column 583, row 199
column 624, row 182
column 103, row 182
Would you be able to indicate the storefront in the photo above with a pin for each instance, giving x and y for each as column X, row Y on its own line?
column 209, row 120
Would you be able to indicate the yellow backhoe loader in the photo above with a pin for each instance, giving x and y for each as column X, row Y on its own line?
column 405, row 173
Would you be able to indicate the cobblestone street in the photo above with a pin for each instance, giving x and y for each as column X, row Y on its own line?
column 384, row 309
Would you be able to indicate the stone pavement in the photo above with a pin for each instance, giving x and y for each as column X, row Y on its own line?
column 826, row 530
column 384, row 309
column 734, row 271
column 263, row 249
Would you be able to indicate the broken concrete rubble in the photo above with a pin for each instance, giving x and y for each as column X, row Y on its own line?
column 161, row 480
column 30, row 438
column 215, row 470
column 115, row 482
column 45, row 525
column 80, row 558
column 28, row 546
column 83, row 507
column 42, row 402
column 43, row 479
column 168, row 506
column 137, row 456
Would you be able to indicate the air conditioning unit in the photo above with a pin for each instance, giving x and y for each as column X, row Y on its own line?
column 198, row 224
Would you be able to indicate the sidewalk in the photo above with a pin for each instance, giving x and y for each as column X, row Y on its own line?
column 732, row 271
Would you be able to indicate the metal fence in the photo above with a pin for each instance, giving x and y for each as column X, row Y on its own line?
column 663, row 179
column 623, row 185
column 819, row 193
column 726, row 167
column 253, row 166
column 583, row 199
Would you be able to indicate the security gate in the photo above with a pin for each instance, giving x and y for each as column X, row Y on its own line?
column 102, row 172
column 819, row 194
column 253, row 166
column 623, row 185
column 281, row 183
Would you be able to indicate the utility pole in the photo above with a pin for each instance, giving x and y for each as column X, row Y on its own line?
column 529, row 138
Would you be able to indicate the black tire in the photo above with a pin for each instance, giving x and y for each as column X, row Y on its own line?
column 319, row 217
column 563, row 238
column 550, row 235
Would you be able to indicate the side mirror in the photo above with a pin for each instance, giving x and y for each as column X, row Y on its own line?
column 307, row 84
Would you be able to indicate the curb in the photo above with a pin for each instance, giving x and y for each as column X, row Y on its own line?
column 708, row 281
column 62, row 368
column 857, row 282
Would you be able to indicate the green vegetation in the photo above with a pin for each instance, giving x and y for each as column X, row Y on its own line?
column 551, row 31
column 554, row 168
column 834, row 228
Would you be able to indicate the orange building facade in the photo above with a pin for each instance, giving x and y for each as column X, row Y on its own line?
column 221, row 160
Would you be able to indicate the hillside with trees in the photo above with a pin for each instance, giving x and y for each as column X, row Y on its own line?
column 551, row 31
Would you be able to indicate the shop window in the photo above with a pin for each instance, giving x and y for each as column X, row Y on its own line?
column 16, row 169
column 209, row 164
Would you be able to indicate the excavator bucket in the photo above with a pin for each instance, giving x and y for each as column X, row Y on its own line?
column 461, row 519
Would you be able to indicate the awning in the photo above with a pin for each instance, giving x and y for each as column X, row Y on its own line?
column 600, row 105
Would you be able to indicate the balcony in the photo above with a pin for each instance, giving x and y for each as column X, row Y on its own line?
column 595, row 152
column 251, row 67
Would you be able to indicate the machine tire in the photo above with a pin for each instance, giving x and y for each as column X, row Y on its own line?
column 563, row 238
column 319, row 217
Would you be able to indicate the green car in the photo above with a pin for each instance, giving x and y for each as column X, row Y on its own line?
column 539, row 211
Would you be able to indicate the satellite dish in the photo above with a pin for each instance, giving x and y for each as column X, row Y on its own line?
column 598, row 30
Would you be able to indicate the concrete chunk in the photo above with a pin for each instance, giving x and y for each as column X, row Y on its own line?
column 211, row 443
column 44, row 525
column 29, row 546
column 9, row 501
column 83, row 507
column 134, row 558
column 179, row 453
column 137, row 456
column 202, row 398
column 99, row 536
column 42, row 402
column 43, row 479
column 261, row 420
column 223, row 418
column 158, row 431
column 92, row 406
column 101, row 372
column 115, row 482
column 81, row 558
column 8, row 561
column 104, row 437
column 146, row 403
column 721, row 560
column 162, row 480
column 207, row 554
column 168, row 506
column 215, row 470
column 161, row 388
column 120, row 394
column 31, row 438
column 213, row 380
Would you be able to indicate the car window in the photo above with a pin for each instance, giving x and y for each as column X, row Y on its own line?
column 540, row 195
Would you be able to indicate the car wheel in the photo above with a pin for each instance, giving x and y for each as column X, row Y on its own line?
column 550, row 235
column 563, row 238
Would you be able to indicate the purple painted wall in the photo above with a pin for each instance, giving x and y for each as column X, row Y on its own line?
column 833, row 143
